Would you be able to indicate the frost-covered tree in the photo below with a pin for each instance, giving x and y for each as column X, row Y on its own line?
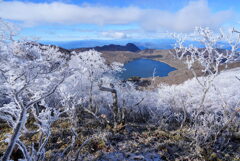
column 29, row 73
column 83, row 88
column 94, row 88
column 36, row 80
column 218, row 51
column 40, row 83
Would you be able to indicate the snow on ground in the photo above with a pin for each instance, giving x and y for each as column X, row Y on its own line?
column 224, row 94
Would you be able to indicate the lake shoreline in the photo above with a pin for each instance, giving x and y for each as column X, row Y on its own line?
column 145, row 67
column 182, row 73
column 177, row 76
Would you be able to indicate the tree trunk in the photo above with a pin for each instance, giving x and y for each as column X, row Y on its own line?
column 15, row 135
column 115, row 107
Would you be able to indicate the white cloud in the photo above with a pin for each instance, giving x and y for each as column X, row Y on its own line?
column 115, row 35
column 196, row 13
column 61, row 13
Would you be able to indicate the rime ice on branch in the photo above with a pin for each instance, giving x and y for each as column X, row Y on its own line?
column 29, row 74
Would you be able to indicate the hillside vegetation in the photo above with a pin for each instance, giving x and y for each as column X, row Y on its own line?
column 58, row 106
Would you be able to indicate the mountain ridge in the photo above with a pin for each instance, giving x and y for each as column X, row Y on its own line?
column 112, row 47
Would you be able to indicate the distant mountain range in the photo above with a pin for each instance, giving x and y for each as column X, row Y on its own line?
column 119, row 45
column 112, row 47
column 141, row 44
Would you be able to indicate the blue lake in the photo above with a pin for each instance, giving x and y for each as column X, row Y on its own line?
column 145, row 67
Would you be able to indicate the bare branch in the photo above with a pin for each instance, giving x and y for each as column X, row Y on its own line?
column 24, row 150
column 46, row 95
column 238, row 78
column 234, row 30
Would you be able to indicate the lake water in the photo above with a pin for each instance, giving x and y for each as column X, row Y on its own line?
column 145, row 67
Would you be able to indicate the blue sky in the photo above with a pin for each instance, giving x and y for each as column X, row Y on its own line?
column 67, row 20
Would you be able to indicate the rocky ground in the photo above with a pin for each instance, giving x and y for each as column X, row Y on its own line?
column 144, row 142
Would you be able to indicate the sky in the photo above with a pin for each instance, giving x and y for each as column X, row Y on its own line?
column 69, row 20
